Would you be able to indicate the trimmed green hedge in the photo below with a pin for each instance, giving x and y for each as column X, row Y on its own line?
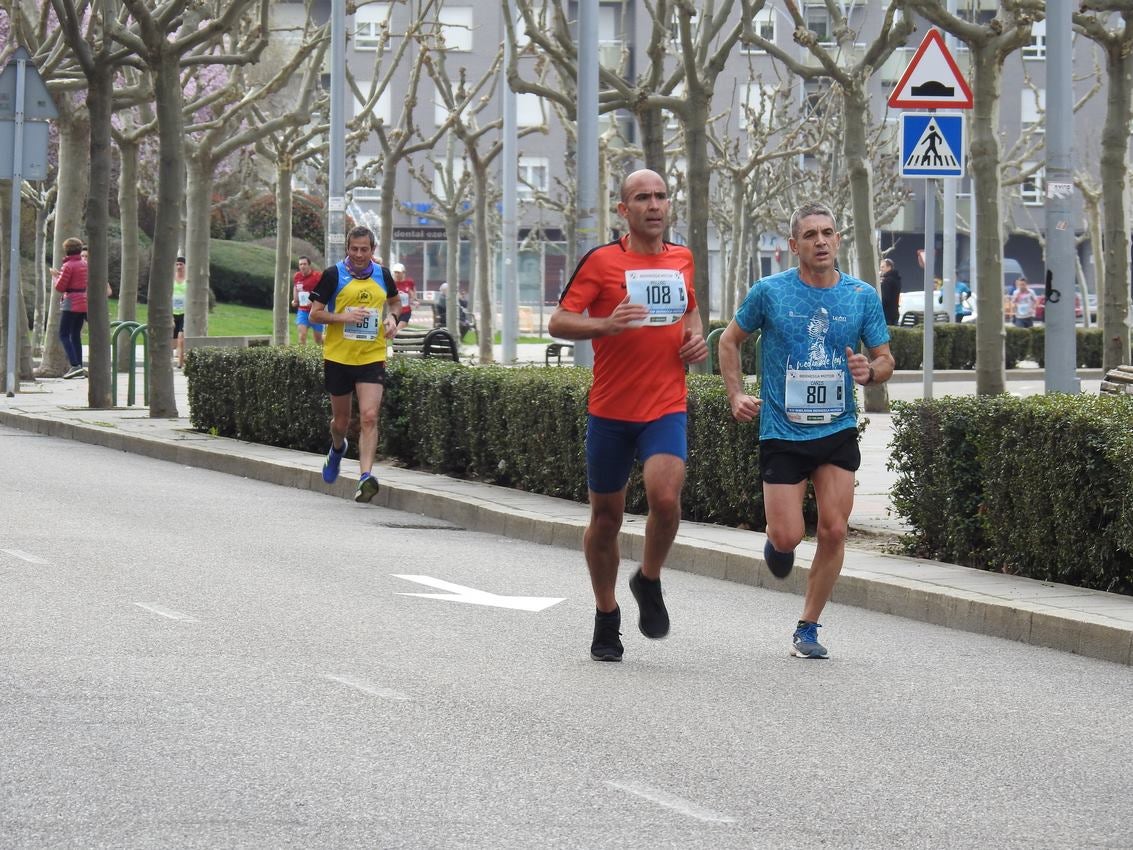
column 954, row 346
column 519, row 427
column 1039, row 487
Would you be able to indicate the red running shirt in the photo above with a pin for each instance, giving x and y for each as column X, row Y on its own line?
column 638, row 374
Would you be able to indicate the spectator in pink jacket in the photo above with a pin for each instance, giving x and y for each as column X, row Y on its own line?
column 72, row 283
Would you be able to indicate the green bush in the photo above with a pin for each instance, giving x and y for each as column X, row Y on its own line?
column 749, row 351
column 518, row 427
column 954, row 346
column 1036, row 487
column 307, row 218
column 241, row 273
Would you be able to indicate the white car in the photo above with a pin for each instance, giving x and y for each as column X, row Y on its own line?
column 912, row 304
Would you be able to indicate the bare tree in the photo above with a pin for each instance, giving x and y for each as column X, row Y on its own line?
column 165, row 38
column 1115, row 37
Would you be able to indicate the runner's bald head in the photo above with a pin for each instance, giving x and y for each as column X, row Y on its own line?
column 633, row 178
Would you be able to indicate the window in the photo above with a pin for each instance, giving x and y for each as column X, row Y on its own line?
column 1031, row 189
column 818, row 21
column 757, row 100
column 381, row 109
column 456, row 27
column 764, row 26
column 534, row 176
column 1032, row 110
column 1037, row 48
column 368, row 23
column 529, row 110
column 817, row 98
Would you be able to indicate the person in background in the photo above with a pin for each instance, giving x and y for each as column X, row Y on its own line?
column 405, row 285
column 180, row 298
column 305, row 280
column 71, row 282
column 963, row 300
column 1023, row 304
column 890, row 291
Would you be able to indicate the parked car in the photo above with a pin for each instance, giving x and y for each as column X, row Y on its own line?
column 1040, row 308
column 910, row 308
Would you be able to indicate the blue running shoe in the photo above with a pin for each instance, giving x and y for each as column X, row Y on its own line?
column 367, row 488
column 805, row 642
column 780, row 563
column 334, row 458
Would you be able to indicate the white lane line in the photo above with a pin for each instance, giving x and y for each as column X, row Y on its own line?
column 165, row 612
column 23, row 556
column 671, row 801
column 366, row 687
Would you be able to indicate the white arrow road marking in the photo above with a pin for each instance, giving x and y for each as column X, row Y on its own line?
column 23, row 556
column 165, row 612
column 671, row 801
column 471, row 596
column 365, row 687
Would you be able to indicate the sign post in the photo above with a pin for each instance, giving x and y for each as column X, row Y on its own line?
column 23, row 156
column 932, row 147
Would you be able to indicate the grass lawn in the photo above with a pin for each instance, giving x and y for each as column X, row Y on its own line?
column 237, row 320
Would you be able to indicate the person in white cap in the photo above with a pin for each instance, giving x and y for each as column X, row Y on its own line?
column 405, row 285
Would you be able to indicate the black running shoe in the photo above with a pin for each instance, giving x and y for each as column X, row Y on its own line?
column 607, row 643
column 780, row 563
column 654, row 619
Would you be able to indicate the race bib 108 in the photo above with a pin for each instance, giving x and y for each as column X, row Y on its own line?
column 662, row 291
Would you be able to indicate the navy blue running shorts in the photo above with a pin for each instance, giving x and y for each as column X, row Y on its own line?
column 612, row 446
column 792, row 461
column 340, row 378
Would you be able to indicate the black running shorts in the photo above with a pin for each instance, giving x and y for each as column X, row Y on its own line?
column 792, row 461
column 339, row 378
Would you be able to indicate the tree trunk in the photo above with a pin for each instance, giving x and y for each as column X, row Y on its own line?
column 170, row 191
column 699, row 180
column 991, row 376
column 281, row 299
column 100, row 93
column 859, row 169
column 198, row 202
column 483, row 255
column 5, row 289
column 42, row 296
column 651, row 122
column 738, row 239
column 1113, row 288
column 452, row 274
column 74, row 160
column 128, row 277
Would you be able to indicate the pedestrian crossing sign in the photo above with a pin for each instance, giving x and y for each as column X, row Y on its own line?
column 932, row 145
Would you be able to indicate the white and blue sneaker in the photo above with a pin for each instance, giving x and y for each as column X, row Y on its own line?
column 805, row 643
column 334, row 458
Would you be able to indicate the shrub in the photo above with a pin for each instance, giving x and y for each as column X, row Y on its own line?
column 1036, row 486
column 241, row 273
column 308, row 217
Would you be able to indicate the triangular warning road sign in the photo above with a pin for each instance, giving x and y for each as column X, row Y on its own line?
column 932, row 80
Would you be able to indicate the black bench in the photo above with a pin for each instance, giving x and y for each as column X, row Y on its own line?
column 556, row 349
column 435, row 342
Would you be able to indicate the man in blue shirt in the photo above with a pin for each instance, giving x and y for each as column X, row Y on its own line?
column 812, row 318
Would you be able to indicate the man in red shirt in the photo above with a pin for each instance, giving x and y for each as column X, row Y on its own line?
column 646, row 329
column 306, row 279
column 406, row 288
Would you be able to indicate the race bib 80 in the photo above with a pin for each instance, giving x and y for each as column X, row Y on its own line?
column 662, row 291
column 814, row 396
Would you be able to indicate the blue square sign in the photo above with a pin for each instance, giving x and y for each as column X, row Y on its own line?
column 932, row 145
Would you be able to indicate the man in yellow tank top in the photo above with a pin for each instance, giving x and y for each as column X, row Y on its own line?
column 351, row 299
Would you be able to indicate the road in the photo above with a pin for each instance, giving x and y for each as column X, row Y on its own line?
column 190, row 659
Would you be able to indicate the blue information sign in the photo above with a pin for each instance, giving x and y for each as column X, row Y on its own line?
column 932, row 145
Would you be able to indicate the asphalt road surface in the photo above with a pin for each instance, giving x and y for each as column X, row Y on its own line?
column 189, row 659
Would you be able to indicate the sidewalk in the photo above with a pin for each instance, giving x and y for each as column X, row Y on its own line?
column 1091, row 623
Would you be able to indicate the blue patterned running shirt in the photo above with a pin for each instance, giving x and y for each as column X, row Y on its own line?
column 805, row 385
